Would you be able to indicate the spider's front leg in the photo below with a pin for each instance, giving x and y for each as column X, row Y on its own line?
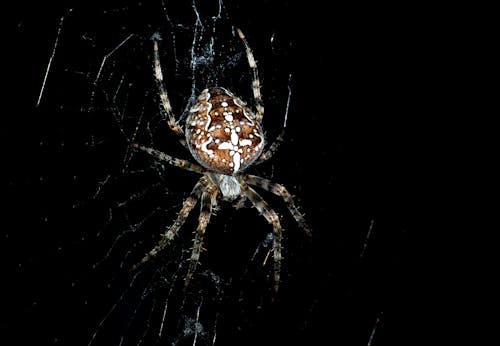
column 187, row 206
column 271, row 217
column 281, row 191
column 208, row 202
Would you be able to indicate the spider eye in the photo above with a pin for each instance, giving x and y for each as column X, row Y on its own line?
column 222, row 132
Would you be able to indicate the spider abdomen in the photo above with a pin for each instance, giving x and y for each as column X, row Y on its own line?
column 222, row 132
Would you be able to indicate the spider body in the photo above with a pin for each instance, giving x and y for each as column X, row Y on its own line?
column 225, row 137
column 222, row 132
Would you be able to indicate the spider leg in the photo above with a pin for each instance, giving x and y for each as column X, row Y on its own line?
column 161, row 156
column 187, row 206
column 280, row 190
column 255, row 80
column 272, row 149
column 165, row 101
column 208, row 201
column 271, row 217
column 275, row 145
column 240, row 203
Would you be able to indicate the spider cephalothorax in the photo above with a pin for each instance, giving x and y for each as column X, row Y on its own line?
column 225, row 137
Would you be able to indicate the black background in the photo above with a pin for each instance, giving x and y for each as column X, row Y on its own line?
column 352, row 156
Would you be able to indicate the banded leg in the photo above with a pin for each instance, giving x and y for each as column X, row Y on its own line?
column 255, row 80
column 161, row 156
column 274, row 220
column 280, row 190
column 165, row 101
column 187, row 206
column 208, row 201
column 272, row 149
column 277, row 142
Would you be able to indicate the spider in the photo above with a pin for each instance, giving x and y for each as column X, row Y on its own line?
column 225, row 137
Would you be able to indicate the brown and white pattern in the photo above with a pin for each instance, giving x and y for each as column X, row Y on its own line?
column 222, row 132
column 225, row 137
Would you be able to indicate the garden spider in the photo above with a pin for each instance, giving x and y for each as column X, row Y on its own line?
column 225, row 137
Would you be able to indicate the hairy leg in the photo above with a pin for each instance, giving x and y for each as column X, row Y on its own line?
column 271, row 217
column 277, row 142
column 259, row 104
column 280, row 190
column 272, row 149
column 187, row 206
column 165, row 101
column 170, row 160
column 208, row 201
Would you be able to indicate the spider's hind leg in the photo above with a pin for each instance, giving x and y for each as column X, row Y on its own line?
column 165, row 101
column 266, row 155
column 259, row 104
column 272, row 149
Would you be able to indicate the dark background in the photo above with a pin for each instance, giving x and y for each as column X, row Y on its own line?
column 364, row 77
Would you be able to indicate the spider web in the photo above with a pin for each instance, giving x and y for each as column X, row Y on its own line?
column 100, row 207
